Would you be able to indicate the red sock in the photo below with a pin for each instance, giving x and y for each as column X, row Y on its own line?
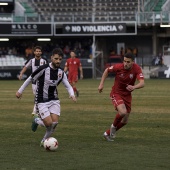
column 74, row 88
column 117, row 120
column 116, row 123
column 108, row 132
column 120, row 125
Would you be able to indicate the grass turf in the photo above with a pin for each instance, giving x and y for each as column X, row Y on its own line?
column 142, row 144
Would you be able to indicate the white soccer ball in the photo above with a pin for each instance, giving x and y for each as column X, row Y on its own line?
column 51, row 144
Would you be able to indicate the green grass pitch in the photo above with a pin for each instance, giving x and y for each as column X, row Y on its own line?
column 143, row 144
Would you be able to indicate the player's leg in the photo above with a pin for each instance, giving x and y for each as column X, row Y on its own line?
column 51, row 120
column 107, row 137
column 74, row 81
column 55, row 114
column 45, row 117
column 34, row 88
column 110, row 134
column 34, row 110
column 122, row 111
column 36, row 120
column 119, row 105
column 43, row 112
column 123, row 122
column 55, row 119
column 113, row 128
column 48, row 124
column 121, row 118
column 75, row 89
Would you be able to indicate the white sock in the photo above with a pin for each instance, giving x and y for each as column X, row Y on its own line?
column 54, row 125
column 48, row 132
column 39, row 121
column 113, row 126
column 34, row 109
column 105, row 134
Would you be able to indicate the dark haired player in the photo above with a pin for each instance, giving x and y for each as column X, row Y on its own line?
column 125, row 78
column 34, row 63
column 48, row 77
column 72, row 65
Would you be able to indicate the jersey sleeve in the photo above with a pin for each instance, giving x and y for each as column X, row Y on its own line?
column 112, row 69
column 33, row 77
column 67, row 85
column 139, row 74
column 28, row 63
column 25, row 84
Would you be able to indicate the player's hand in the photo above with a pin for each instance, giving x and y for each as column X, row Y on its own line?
column 130, row 88
column 20, row 77
column 18, row 95
column 100, row 88
column 73, row 98
column 81, row 77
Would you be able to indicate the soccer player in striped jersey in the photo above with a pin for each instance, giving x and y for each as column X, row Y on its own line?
column 48, row 77
column 34, row 63
column 124, row 84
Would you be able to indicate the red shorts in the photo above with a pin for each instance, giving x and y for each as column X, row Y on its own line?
column 117, row 100
column 73, row 77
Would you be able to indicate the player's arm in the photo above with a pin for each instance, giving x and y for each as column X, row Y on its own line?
column 33, row 77
column 81, row 71
column 66, row 67
column 139, row 85
column 22, row 88
column 22, row 72
column 104, row 76
column 68, row 87
column 27, row 64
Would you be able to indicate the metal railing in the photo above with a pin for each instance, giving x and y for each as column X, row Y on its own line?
column 153, row 18
column 162, row 17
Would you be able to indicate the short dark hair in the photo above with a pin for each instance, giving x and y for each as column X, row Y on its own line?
column 72, row 50
column 37, row 47
column 130, row 55
column 57, row 51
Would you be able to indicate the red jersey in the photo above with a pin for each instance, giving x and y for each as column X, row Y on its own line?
column 73, row 64
column 125, row 77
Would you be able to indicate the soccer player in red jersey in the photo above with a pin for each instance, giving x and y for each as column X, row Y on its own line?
column 126, row 74
column 72, row 65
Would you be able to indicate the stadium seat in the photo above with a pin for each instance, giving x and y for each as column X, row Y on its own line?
column 100, row 8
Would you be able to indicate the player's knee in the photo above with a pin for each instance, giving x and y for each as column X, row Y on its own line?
column 47, row 122
column 122, row 110
column 123, row 113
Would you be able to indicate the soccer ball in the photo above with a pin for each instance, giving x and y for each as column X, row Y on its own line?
column 51, row 144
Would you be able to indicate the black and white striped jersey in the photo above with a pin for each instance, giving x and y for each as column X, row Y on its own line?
column 47, row 81
column 34, row 63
